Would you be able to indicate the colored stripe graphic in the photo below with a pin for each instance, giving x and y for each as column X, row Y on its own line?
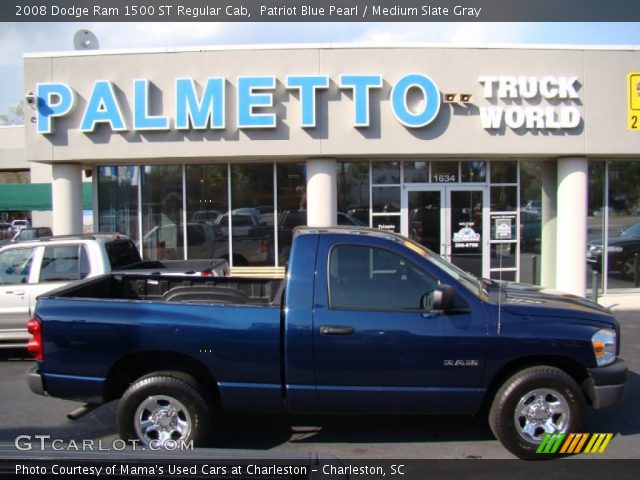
column 550, row 443
column 574, row 443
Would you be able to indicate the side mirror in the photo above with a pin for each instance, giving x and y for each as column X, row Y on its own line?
column 441, row 298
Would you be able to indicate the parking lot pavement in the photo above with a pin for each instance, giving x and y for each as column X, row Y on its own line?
column 399, row 437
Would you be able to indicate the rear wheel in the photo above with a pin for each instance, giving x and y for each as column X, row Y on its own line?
column 533, row 403
column 164, row 407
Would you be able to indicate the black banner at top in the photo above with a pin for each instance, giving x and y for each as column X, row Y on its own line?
column 320, row 10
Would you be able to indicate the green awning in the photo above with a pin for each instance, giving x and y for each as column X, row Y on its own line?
column 34, row 196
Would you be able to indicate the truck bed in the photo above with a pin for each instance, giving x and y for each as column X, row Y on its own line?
column 177, row 289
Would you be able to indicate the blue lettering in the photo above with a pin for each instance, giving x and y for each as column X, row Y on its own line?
column 141, row 118
column 361, row 84
column 430, row 94
column 307, row 86
column 48, row 108
column 248, row 100
column 203, row 112
column 102, row 108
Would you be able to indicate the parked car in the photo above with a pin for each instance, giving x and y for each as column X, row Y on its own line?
column 621, row 252
column 30, row 233
column 206, row 215
column 31, row 268
column 205, row 241
column 17, row 225
column 364, row 322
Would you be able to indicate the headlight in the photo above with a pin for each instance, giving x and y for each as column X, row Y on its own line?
column 614, row 249
column 604, row 346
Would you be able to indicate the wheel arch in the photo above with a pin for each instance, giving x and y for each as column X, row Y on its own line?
column 570, row 366
column 131, row 367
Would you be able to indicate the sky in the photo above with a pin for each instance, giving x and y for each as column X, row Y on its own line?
column 17, row 39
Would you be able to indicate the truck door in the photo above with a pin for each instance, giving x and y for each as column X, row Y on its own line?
column 15, row 293
column 375, row 349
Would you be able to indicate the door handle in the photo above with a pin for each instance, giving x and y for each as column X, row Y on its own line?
column 336, row 330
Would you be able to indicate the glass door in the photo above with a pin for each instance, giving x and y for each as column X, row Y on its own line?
column 451, row 221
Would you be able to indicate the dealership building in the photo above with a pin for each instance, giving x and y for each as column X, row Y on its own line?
column 514, row 163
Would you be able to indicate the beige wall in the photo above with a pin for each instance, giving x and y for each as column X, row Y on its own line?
column 457, row 130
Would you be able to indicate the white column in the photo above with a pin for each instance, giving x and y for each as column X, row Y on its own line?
column 549, row 235
column 322, row 192
column 571, row 267
column 66, row 199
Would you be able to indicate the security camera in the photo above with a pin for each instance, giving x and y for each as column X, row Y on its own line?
column 30, row 97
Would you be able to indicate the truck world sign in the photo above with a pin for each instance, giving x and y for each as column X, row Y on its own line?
column 204, row 106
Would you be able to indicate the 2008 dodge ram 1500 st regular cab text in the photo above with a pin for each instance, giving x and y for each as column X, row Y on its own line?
column 365, row 322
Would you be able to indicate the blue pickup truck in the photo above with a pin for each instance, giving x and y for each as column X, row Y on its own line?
column 365, row 322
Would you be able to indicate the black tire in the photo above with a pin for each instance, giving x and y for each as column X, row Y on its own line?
column 172, row 404
column 540, row 390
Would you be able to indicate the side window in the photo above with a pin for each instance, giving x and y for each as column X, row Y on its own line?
column 15, row 265
column 376, row 279
column 64, row 263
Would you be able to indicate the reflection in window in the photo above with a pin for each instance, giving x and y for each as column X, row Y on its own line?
column 162, row 233
column 64, row 263
column 474, row 171
column 206, row 202
column 444, row 172
column 118, row 200
column 530, row 220
column 623, row 247
column 15, row 265
column 292, row 205
column 373, row 278
column 416, row 172
column 353, row 190
column 251, row 198
column 503, row 199
column 385, row 173
column 385, row 199
column 504, row 171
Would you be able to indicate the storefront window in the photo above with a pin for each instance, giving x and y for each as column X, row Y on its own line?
column 416, row 172
column 251, row 198
column 530, row 221
column 504, row 199
column 623, row 245
column 504, row 171
column 444, row 172
column 292, row 206
column 162, row 211
column 473, row 171
column 118, row 200
column 385, row 173
column 206, row 201
column 596, row 217
column 386, row 208
column 385, row 199
column 353, row 190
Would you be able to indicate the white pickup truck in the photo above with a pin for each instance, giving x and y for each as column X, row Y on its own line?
column 31, row 268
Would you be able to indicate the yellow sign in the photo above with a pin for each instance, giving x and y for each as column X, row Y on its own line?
column 633, row 89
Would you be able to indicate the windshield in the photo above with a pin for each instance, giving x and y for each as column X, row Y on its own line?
column 470, row 281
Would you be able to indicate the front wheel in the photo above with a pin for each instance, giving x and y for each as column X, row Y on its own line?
column 164, row 410
column 532, row 403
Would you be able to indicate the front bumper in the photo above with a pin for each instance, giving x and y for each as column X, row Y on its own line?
column 34, row 380
column 605, row 386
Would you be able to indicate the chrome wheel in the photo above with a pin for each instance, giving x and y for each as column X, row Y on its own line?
column 161, row 418
column 541, row 411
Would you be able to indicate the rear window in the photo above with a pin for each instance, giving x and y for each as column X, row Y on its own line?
column 122, row 253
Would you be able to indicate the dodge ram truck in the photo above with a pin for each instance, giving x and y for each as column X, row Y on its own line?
column 365, row 322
